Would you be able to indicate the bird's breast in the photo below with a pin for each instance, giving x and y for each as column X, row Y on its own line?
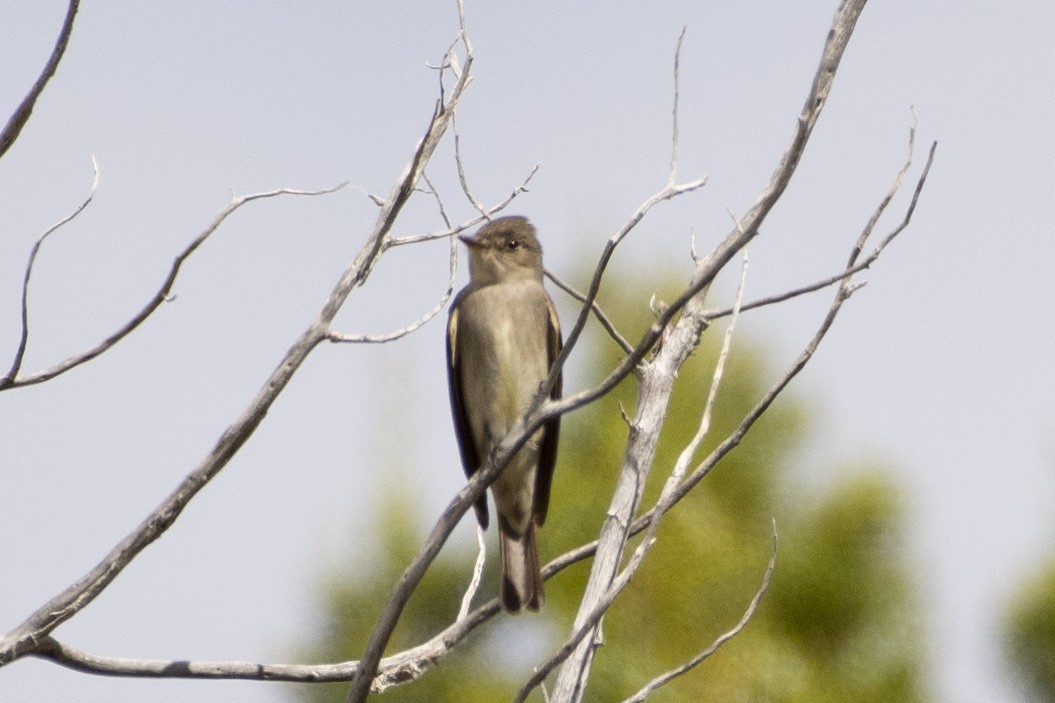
column 505, row 352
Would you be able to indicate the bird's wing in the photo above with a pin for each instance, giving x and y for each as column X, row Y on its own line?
column 466, row 445
column 551, row 429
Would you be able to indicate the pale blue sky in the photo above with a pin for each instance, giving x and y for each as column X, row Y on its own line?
column 941, row 366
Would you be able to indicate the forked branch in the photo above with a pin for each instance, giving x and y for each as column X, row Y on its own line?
column 29, row 635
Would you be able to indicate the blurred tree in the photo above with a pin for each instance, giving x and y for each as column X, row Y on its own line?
column 1029, row 628
column 840, row 621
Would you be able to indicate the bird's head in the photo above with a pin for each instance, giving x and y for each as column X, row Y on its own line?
column 504, row 249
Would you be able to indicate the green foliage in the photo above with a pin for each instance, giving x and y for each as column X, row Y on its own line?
column 839, row 622
column 352, row 601
column 1030, row 633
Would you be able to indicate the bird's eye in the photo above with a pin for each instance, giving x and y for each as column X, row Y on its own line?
column 513, row 244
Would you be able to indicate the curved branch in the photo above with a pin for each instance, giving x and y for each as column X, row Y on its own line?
column 21, row 115
column 12, row 380
column 608, row 325
column 451, row 231
column 23, row 341
column 26, row 637
column 669, row 676
column 452, row 269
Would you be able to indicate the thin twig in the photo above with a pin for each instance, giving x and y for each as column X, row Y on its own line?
column 452, row 273
column 16, row 365
column 656, row 378
column 461, row 170
column 854, row 266
column 161, row 296
column 665, row 678
column 478, row 570
column 608, row 325
column 439, row 200
column 451, row 231
column 682, row 463
column 674, row 137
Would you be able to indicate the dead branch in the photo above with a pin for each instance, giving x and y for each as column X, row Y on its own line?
column 18, row 120
column 656, row 377
column 13, row 380
column 28, row 635
column 669, row 676
column 24, row 337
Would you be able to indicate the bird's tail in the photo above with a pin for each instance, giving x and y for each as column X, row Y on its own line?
column 521, row 577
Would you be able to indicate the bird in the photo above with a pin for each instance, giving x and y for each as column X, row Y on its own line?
column 503, row 336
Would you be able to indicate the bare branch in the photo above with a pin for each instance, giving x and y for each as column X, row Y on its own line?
column 16, row 365
column 656, row 377
column 461, row 171
column 21, row 115
column 609, row 327
column 664, row 679
column 410, row 664
column 673, row 177
column 649, row 540
column 681, row 465
column 397, row 669
column 478, row 570
column 588, row 624
column 33, row 636
column 439, row 201
column 844, row 292
column 486, row 474
column 474, row 488
column 388, row 618
column 14, row 381
column 53, row 650
column 451, row 231
column 855, row 266
column 452, row 269
column 644, row 520
column 27, row 636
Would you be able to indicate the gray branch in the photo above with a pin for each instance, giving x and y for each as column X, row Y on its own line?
column 31, row 633
column 657, row 376
column 18, row 119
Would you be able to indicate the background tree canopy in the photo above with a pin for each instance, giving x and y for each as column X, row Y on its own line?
column 1030, row 633
column 840, row 620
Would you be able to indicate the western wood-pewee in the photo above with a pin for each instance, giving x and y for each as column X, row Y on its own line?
column 502, row 339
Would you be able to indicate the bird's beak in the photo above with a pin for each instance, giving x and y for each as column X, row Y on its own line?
column 471, row 242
